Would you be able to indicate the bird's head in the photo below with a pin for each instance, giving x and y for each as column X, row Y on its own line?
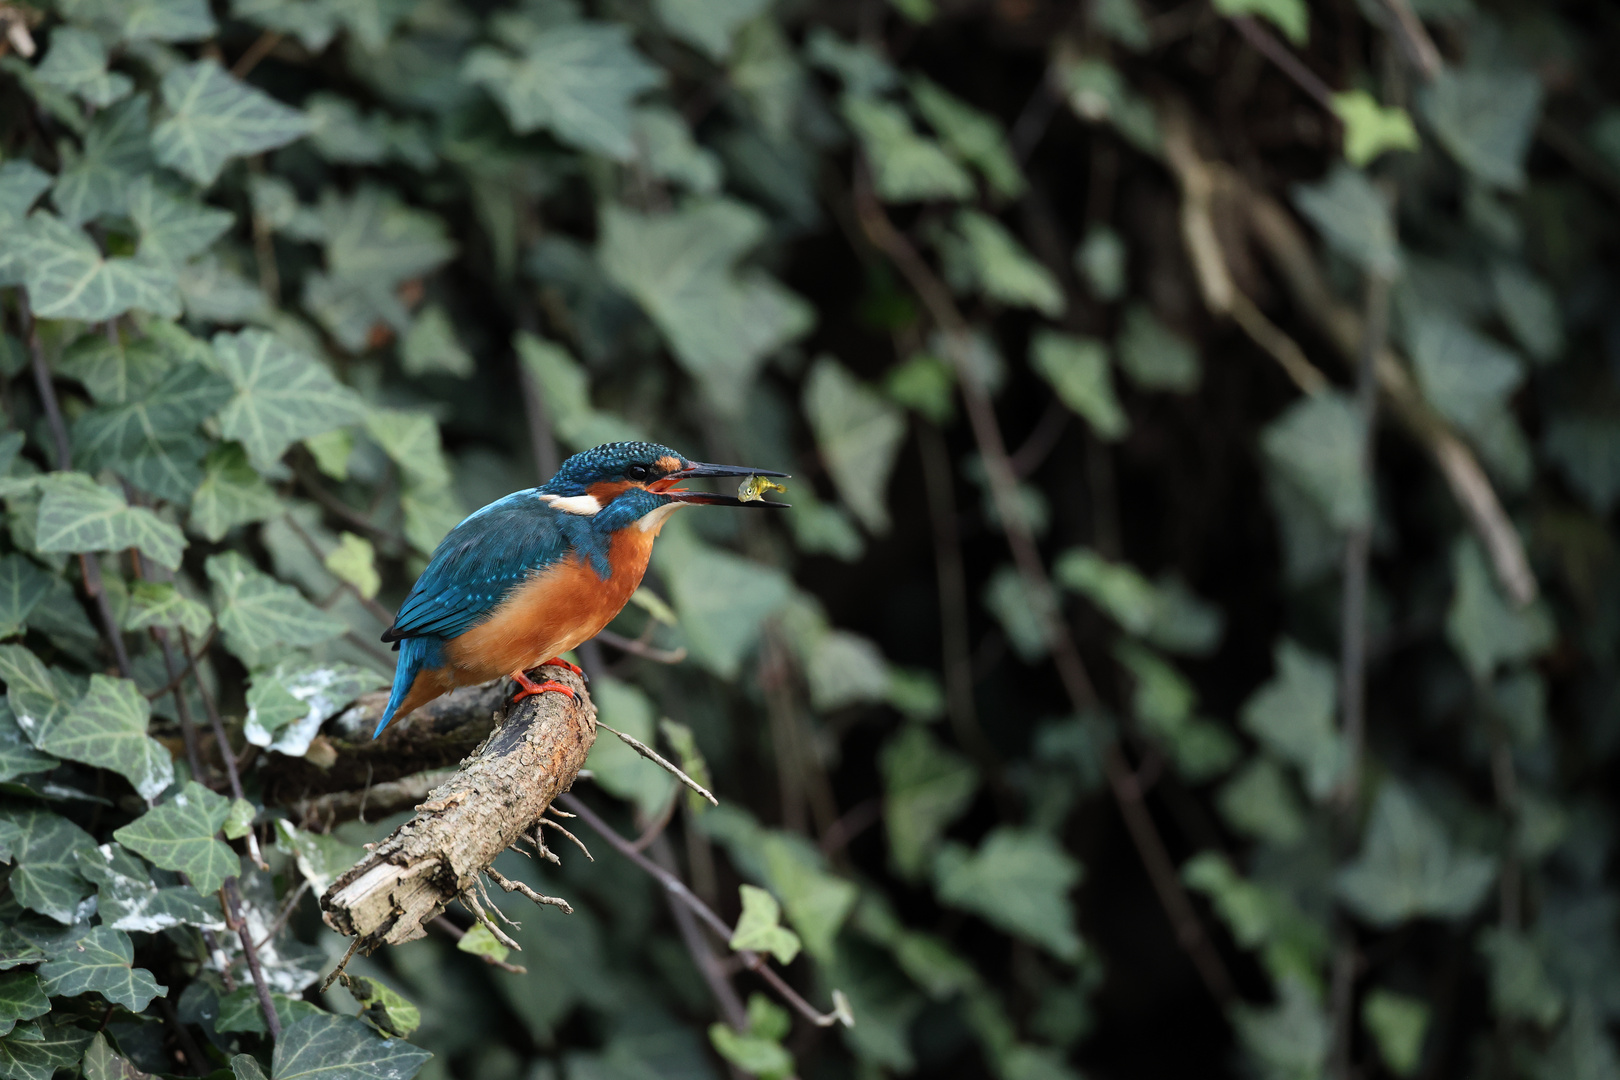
column 618, row 484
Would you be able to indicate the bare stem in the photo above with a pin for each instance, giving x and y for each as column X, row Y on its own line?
column 1278, row 53
column 233, row 913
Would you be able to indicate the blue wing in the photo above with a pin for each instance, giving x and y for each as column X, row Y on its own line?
column 482, row 559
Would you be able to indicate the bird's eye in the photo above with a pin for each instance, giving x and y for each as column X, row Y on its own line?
column 638, row 472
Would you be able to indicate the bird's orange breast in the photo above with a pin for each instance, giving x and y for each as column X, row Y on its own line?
column 554, row 611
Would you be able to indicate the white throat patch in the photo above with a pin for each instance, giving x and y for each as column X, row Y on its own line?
column 583, row 505
column 654, row 518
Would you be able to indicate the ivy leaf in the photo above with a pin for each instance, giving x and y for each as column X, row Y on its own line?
column 666, row 149
column 256, row 612
column 1292, row 714
column 1260, row 802
column 1407, row 868
column 1023, row 612
column 45, row 876
column 1005, row 271
column 1018, row 881
column 1354, row 218
column 214, row 117
column 240, row 1010
column 38, row 696
column 68, row 278
column 373, row 237
column 1520, row 986
column 845, row 669
column 709, row 24
column 107, row 729
column 18, row 756
column 721, row 324
column 906, row 166
column 975, row 137
column 153, row 442
column 115, row 370
column 22, row 585
column 354, row 560
column 160, row 604
column 1077, row 369
column 21, row 998
column 1154, row 356
column 858, row 434
column 411, row 440
column 384, row 1008
column 169, row 20
column 623, row 772
column 1485, row 628
column 1101, row 260
column 1292, row 17
column 1291, row 1038
column 78, row 515
column 1465, row 375
column 1531, row 310
column 321, row 688
column 36, row 1052
column 127, row 898
column 101, row 962
column 480, row 942
column 759, row 926
column 77, row 64
column 925, row 788
column 173, row 228
column 1370, row 129
column 1397, row 1024
column 1586, row 448
column 431, row 346
column 231, row 493
column 342, row 1048
column 321, row 858
column 179, row 835
column 246, row 1066
column 577, row 80
column 1485, row 119
column 117, row 150
column 817, row 902
column 1316, row 445
column 101, row 1063
column 282, row 395
column 21, row 184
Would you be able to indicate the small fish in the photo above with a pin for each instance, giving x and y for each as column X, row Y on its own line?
column 755, row 488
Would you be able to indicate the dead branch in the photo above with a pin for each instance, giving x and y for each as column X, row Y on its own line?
column 495, row 798
column 324, row 811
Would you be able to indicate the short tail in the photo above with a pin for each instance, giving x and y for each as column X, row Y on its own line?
column 415, row 653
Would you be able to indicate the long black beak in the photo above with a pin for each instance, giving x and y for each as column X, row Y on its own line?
column 709, row 498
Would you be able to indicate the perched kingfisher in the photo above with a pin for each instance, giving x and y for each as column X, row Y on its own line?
column 530, row 576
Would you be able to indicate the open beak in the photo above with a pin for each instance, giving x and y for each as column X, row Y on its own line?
column 666, row 485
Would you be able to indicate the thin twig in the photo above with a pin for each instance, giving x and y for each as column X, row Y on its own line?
column 662, row 762
column 697, row 946
column 470, row 900
column 285, row 913
column 1066, row 658
column 641, row 648
column 90, row 567
column 457, row 933
column 175, row 679
column 233, row 913
column 655, row 828
column 518, row 886
column 326, row 984
column 1415, row 40
column 261, row 48
column 675, row 887
column 1268, row 46
column 182, row 707
column 577, row 841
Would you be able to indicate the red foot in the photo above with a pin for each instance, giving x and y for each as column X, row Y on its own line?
column 557, row 661
column 530, row 687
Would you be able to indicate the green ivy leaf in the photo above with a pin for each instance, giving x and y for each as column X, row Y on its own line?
column 35, row 1052
column 721, row 323
column 1371, row 130
column 845, row 669
column 480, row 942
column 38, row 696
column 231, row 493
column 101, row 962
column 1018, row 881
column 1408, row 869
column 117, row 150
column 411, row 441
column 1293, row 714
column 925, row 788
column 321, row 858
column 620, row 769
column 68, row 278
column 568, row 395
column 100, row 1063
column 973, row 136
column 78, row 515
column 1316, row 445
column 160, row 604
column 1154, row 356
column 342, row 1048
column 709, row 24
column 1485, row 628
column 577, row 80
column 257, row 613
column 1292, row 17
column 431, row 346
column 758, row 1051
column 173, row 228
column 373, row 237
column 1530, row 308
column 1465, row 375
column 21, row 998
column 214, row 117
column 858, row 434
column 1260, row 802
column 1023, row 613
column 168, row 20
column 1078, row 370
column 1485, row 119
column 240, row 1010
column 1101, row 260
column 22, row 585
column 1397, row 1024
column 77, row 64
column 115, row 370
column 1354, row 218
column 1521, row 988
column 354, row 561
column 1004, row 270
column 282, row 395
column 21, row 184
column 246, row 1066
column 153, row 442
column 18, row 756
column 384, row 1008
column 1290, row 1038
column 817, row 902
column 107, row 729
column 179, row 835
column 906, row 166
column 665, row 146
column 759, row 927
column 127, row 898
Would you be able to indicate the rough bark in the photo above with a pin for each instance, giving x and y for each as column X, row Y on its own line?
column 497, row 796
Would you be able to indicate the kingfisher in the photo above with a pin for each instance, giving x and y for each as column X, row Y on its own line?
column 541, row 571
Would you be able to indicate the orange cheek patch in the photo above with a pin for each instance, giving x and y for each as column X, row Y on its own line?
column 608, row 490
